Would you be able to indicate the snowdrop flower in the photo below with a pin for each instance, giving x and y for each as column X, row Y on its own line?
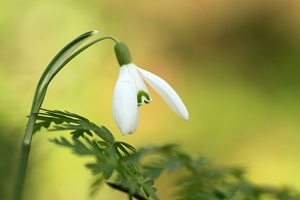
column 131, row 92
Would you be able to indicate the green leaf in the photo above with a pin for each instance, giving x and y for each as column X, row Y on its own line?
column 62, row 142
column 108, row 171
column 57, row 63
column 119, row 146
column 104, row 133
column 64, row 120
column 96, row 168
column 128, row 146
column 77, row 146
column 150, row 190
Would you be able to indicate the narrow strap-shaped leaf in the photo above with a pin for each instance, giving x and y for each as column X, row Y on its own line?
column 58, row 62
column 55, row 66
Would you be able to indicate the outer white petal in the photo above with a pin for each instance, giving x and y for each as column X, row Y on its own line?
column 139, row 83
column 125, row 108
column 166, row 91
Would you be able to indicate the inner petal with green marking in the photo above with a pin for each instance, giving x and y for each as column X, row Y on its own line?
column 143, row 97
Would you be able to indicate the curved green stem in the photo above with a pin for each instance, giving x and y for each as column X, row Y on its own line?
column 58, row 62
column 129, row 196
column 25, row 149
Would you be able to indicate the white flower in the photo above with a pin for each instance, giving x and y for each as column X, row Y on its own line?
column 131, row 92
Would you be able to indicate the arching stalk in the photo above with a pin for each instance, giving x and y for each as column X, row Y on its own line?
column 59, row 61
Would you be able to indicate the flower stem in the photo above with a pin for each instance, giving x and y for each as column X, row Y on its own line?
column 57, row 63
column 25, row 150
column 130, row 197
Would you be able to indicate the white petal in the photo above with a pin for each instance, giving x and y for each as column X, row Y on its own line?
column 143, row 95
column 125, row 108
column 166, row 91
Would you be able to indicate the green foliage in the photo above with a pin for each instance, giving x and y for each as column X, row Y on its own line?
column 113, row 163
column 200, row 180
column 126, row 169
column 78, row 125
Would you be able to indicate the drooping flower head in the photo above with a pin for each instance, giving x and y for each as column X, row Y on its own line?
column 131, row 92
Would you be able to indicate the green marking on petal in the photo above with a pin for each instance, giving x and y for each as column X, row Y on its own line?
column 143, row 97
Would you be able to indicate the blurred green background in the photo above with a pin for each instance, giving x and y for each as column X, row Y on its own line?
column 234, row 63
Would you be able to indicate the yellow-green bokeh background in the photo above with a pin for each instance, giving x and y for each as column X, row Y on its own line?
column 234, row 63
